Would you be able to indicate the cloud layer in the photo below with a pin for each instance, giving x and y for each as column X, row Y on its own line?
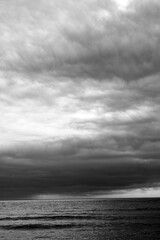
column 79, row 97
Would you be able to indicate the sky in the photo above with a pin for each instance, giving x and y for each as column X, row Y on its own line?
column 79, row 98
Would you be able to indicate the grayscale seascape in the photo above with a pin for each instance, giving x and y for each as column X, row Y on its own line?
column 112, row 219
column 80, row 120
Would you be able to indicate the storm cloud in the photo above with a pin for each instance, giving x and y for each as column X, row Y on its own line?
column 79, row 97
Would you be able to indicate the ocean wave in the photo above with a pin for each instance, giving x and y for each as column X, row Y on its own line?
column 62, row 217
column 40, row 226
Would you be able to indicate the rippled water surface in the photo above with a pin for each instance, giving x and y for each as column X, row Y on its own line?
column 114, row 219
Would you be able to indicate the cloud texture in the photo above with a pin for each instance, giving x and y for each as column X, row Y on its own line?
column 79, row 97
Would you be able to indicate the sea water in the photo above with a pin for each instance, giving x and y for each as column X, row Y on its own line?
column 112, row 219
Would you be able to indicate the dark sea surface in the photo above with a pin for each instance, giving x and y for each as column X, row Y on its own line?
column 113, row 219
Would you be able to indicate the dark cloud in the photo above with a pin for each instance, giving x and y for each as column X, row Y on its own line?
column 77, row 178
column 80, row 167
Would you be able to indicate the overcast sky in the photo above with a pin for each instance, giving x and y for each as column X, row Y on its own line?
column 79, row 98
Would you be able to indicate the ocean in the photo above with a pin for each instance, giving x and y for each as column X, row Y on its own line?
column 107, row 219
